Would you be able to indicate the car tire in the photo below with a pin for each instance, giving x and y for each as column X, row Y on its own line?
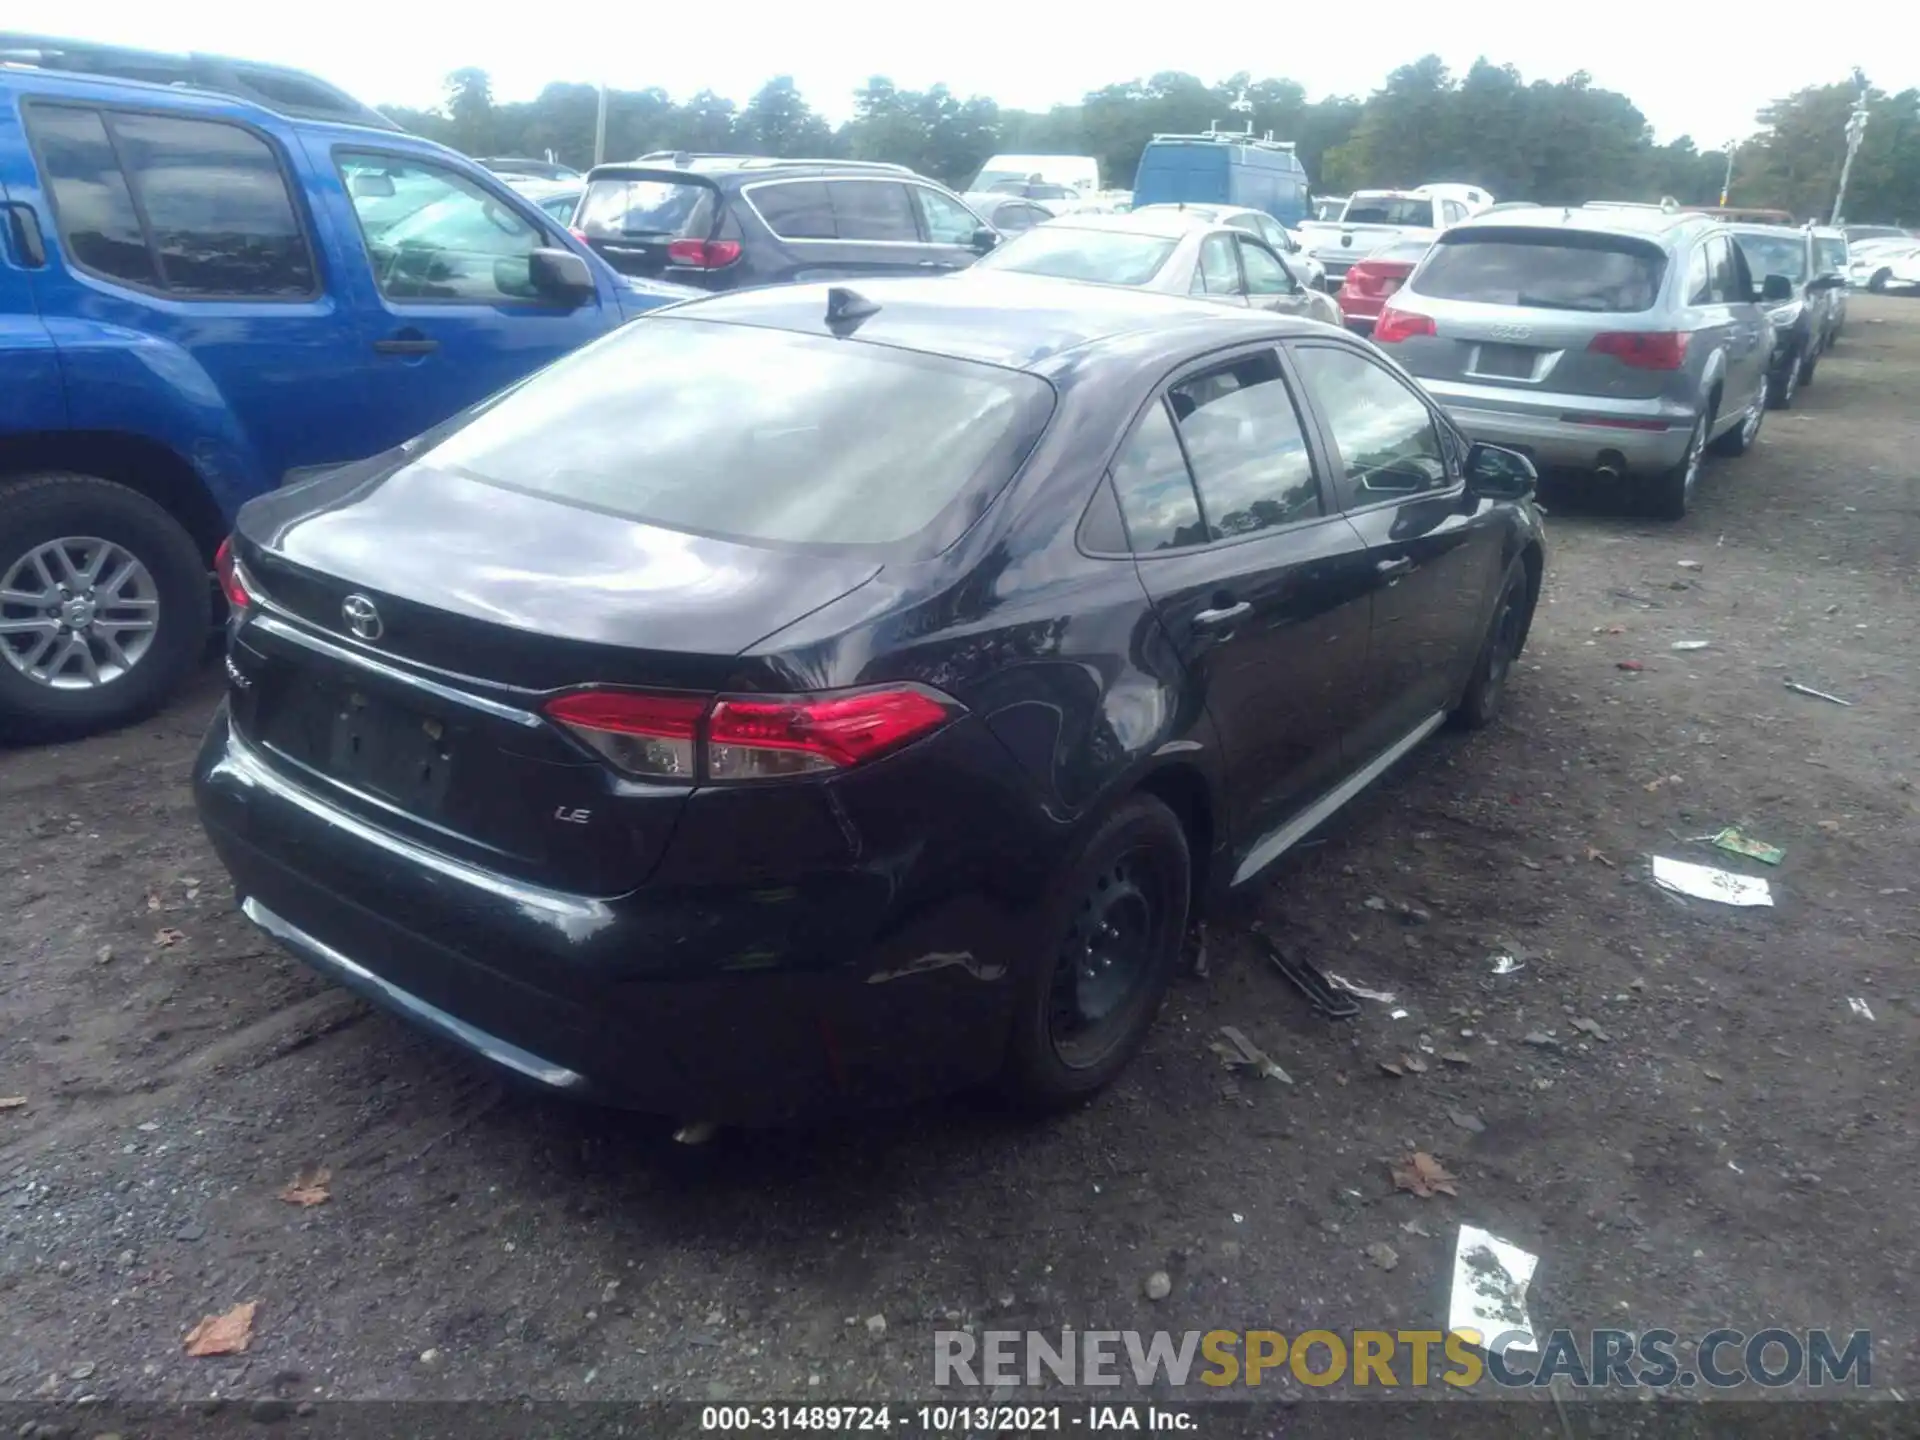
column 1486, row 690
column 127, row 664
column 1667, row 495
column 1808, row 364
column 1122, row 902
column 1739, row 440
column 1878, row 284
column 1785, row 384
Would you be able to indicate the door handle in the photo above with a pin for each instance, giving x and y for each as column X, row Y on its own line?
column 1393, row 569
column 396, row 345
column 23, row 231
column 1224, row 615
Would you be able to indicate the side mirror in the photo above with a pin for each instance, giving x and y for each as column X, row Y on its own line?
column 1775, row 288
column 984, row 239
column 371, row 185
column 560, row 275
column 1496, row 473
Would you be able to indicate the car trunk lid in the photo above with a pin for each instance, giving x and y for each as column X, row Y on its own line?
column 629, row 215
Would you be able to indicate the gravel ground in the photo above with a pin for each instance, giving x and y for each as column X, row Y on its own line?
column 1703, row 1129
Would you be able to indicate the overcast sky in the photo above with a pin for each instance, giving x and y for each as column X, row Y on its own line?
column 1689, row 72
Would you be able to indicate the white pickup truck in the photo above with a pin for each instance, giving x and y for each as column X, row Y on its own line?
column 1374, row 219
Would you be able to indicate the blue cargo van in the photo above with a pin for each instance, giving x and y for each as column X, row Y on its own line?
column 1223, row 169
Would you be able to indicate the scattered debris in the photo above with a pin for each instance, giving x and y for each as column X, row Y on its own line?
column 1643, row 601
column 1383, row 1255
column 1703, row 882
column 1396, row 1071
column 876, row 1325
column 228, row 1334
column 12, row 1102
column 1467, row 1121
column 1688, row 564
column 1397, row 1014
column 1860, row 1007
column 1423, row 1175
column 1456, row 1057
column 1832, row 827
column 1414, row 1227
column 104, row 955
column 1800, row 689
column 1504, row 964
column 1236, row 1050
column 1307, row 979
column 1340, row 982
column 309, row 1186
column 1690, row 645
column 1594, row 854
column 1197, row 959
column 1414, row 1064
column 1735, row 843
column 1591, row 1027
column 1490, row 1279
column 1628, row 665
column 1652, row 786
column 1540, row 1038
column 1374, row 902
column 1713, row 1075
column 1159, row 1285
column 169, row 937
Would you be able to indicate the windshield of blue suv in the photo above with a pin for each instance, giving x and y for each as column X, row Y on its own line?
column 1109, row 257
column 1774, row 255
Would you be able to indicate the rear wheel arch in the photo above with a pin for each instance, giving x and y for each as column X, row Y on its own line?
column 1184, row 790
column 144, row 466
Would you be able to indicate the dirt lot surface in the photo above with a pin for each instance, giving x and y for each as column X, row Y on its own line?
column 1713, row 1132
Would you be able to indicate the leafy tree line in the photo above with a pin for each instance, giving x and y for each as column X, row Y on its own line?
column 1550, row 141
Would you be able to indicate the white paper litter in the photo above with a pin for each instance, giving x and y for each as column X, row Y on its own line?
column 1396, row 1014
column 1507, row 965
column 1703, row 882
column 1860, row 1007
column 1338, row 982
column 1689, row 644
column 1490, row 1279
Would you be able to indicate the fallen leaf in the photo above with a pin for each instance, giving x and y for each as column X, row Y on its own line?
column 1414, row 1063
column 12, row 1102
column 1713, row 1075
column 1456, row 1057
column 309, row 1187
column 1593, row 854
column 228, row 1334
column 169, row 937
column 1628, row 665
column 1423, row 1175
column 153, row 900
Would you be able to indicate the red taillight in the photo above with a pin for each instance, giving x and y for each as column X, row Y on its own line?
column 1393, row 326
column 1643, row 349
column 747, row 737
column 233, row 583
column 640, row 734
column 703, row 254
column 750, row 738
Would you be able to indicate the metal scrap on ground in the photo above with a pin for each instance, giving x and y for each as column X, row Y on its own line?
column 1703, row 882
column 1799, row 689
column 1236, row 1050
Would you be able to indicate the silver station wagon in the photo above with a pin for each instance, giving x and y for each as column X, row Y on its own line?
column 1620, row 339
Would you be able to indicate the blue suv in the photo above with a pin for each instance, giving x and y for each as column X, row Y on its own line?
column 216, row 277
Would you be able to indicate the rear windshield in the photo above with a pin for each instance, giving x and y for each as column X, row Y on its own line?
column 758, row 434
column 1387, row 211
column 1558, row 271
column 1108, row 256
column 633, row 208
column 1774, row 255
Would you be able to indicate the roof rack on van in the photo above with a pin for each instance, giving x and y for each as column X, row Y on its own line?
column 277, row 87
column 1229, row 137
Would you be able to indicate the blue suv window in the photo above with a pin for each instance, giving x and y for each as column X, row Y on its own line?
column 197, row 208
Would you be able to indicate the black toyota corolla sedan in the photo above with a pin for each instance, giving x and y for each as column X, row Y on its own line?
column 813, row 696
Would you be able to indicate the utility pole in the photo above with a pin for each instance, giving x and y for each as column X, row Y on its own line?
column 1856, row 127
column 600, row 129
column 1726, row 185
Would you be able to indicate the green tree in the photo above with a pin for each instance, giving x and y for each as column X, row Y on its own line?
column 778, row 121
column 469, row 110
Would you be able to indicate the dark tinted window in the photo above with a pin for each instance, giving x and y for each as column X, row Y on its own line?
column 1385, row 211
column 795, row 210
column 1156, row 492
column 755, row 433
column 616, row 206
column 1388, row 442
column 873, row 210
column 98, row 224
column 1243, row 440
column 1557, row 271
column 216, row 205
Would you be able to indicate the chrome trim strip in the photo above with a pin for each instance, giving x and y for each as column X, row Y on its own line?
column 280, row 630
column 1310, row 819
column 355, row 976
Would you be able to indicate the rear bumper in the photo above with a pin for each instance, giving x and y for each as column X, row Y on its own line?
column 1545, row 428
column 728, row 1004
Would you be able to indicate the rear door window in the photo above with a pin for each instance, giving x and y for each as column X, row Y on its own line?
column 202, row 208
column 873, row 210
column 1244, row 441
column 1389, row 446
column 1600, row 274
column 796, row 209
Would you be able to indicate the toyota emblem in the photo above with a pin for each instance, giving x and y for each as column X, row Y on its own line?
column 362, row 617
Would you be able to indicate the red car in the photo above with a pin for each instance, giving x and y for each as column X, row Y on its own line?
column 1371, row 283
